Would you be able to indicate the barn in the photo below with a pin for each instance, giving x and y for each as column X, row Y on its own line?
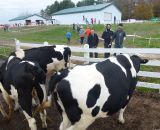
column 93, row 14
column 33, row 19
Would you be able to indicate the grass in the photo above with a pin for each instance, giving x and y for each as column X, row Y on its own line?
column 56, row 34
column 146, row 90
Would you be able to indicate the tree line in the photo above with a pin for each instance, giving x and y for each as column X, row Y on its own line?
column 138, row 9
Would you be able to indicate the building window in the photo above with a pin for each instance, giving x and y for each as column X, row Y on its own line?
column 107, row 16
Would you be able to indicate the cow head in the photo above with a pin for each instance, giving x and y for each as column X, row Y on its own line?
column 137, row 61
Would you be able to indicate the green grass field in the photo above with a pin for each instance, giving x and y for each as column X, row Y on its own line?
column 56, row 34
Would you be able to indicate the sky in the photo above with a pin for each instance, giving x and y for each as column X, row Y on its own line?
column 12, row 8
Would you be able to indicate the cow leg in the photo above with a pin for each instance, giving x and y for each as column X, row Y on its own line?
column 42, row 95
column 65, row 123
column 14, row 96
column 34, row 95
column 43, row 116
column 83, row 124
column 25, row 101
column 121, row 118
column 31, row 121
column 34, row 102
column 8, row 100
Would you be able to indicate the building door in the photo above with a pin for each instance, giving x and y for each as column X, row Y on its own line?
column 28, row 22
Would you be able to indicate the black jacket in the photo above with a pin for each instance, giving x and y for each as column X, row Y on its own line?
column 93, row 40
column 107, row 36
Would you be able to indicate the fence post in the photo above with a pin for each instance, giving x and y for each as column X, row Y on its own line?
column 149, row 41
column 45, row 44
column 86, row 54
column 134, row 38
column 17, row 44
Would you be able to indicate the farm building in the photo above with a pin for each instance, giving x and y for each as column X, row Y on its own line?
column 93, row 14
column 33, row 19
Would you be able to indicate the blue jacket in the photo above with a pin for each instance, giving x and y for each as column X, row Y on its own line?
column 68, row 35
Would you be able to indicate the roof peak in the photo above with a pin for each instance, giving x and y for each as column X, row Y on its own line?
column 87, row 8
column 22, row 17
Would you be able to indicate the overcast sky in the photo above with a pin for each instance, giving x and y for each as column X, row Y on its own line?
column 12, row 8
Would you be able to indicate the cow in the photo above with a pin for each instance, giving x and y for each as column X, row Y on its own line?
column 50, row 58
column 99, row 90
column 18, row 80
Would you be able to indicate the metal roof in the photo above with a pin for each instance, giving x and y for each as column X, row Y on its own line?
column 83, row 9
column 27, row 16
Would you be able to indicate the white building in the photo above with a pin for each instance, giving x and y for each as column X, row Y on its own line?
column 33, row 19
column 101, row 13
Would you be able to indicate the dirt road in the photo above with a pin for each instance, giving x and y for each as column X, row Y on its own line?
column 142, row 113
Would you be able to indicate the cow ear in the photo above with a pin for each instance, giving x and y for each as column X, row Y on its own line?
column 144, row 61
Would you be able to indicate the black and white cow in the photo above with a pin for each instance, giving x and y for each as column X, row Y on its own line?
column 50, row 58
column 18, row 80
column 86, row 93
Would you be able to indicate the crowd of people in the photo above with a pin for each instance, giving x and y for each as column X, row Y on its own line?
column 90, row 37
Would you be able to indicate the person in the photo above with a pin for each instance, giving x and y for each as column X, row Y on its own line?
column 74, row 26
column 68, row 36
column 107, row 36
column 119, row 36
column 87, row 32
column 82, row 34
column 92, row 21
column 114, row 19
column 78, row 28
column 93, row 41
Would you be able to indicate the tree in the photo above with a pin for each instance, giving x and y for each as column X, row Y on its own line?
column 143, row 11
column 66, row 4
column 50, row 9
column 85, row 3
column 156, row 7
column 91, row 2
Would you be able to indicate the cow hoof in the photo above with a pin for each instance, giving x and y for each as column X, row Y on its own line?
column 121, row 121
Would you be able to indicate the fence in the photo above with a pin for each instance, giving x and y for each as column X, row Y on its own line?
column 6, row 46
column 87, row 59
column 141, row 37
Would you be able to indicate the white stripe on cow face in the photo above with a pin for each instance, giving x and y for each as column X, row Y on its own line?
column 31, row 121
column 114, row 60
column 31, row 63
column 44, row 92
column 133, row 71
column 20, row 53
column 9, row 59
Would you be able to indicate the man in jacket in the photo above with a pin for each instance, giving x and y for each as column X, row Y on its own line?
column 119, row 36
column 93, row 41
column 107, row 36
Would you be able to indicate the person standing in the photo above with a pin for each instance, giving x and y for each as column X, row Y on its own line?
column 107, row 36
column 87, row 32
column 78, row 28
column 68, row 36
column 119, row 36
column 74, row 26
column 82, row 34
column 93, row 41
